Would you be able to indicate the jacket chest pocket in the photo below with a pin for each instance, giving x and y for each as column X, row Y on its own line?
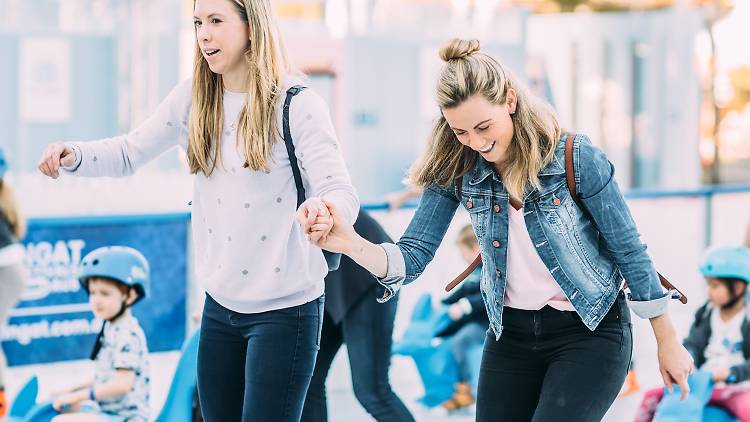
column 554, row 206
column 478, row 208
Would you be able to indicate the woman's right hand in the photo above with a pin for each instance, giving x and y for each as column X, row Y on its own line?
column 55, row 156
column 342, row 238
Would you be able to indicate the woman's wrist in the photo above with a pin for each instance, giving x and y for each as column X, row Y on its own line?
column 663, row 330
column 355, row 247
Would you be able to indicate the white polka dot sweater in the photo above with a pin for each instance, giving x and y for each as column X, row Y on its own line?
column 250, row 253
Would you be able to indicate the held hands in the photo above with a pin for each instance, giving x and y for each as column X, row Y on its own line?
column 338, row 237
column 56, row 155
column 675, row 364
column 315, row 219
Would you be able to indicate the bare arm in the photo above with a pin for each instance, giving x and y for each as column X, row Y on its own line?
column 342, row 238
column 675, row 362
column 119, row 385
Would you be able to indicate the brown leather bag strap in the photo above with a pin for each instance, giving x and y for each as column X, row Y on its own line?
column 456, row 281
column 569, row 173
column 570, row 178
column 478, row 260
column 669, row 286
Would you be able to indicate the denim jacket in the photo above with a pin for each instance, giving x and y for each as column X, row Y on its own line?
column 588, row 253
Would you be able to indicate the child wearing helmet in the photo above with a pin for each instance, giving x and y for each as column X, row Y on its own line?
column 719, row 338
column 115, row 278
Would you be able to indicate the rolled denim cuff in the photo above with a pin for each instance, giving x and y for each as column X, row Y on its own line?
column 77, row 151
column 396, row 272
column 647, row 309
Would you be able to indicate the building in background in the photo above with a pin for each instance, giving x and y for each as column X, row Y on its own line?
column 87, row 69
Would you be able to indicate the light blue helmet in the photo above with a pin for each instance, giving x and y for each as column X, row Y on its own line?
column 118, row 263
column 3, row 163
column 727, row 262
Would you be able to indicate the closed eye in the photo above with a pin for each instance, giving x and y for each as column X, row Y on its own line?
column 213, row 21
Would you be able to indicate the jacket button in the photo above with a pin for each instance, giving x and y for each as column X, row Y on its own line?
column 496, row 208
column 556, row 201
column 496, row 243
column 498, row 273
column 469, row 204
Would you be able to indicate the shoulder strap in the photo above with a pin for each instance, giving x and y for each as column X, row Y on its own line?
column 570, row 179
column 290, row 93
column 569, row 173
column 470, row 269
column 478, row 260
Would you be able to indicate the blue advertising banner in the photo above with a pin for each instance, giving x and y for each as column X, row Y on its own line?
column 53, row 321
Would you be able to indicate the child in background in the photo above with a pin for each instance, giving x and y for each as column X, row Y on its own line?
column 115, row 278
column 719, row 338
column 470, row 322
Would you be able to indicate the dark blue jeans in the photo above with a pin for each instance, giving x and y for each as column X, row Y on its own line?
column 367, row 331
column 257, row 367
column 547, row 366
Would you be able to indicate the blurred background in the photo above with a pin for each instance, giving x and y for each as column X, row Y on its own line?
column 662, row 86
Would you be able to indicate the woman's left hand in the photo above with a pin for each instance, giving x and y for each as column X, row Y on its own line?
column 675, row 364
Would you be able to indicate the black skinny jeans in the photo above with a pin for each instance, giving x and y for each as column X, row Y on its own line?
column 547, row 366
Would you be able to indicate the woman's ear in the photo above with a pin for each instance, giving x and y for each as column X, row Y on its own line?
column 511, row 100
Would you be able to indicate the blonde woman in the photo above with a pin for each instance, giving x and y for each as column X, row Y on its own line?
column 12, row 274
column 560, row 336
column 260, row 329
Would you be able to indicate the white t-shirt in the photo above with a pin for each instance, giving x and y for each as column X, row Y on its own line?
column 251, row 255
column 530, row 285
column 124, row 347
column 724, row 348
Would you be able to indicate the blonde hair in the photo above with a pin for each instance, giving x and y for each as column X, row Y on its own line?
column 466, row 237
column 467, row 72
column 257, row 124
column 9, row 209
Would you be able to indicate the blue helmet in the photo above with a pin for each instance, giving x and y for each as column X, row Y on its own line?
column 122, row 264
column 727, row 262
column 3, row 163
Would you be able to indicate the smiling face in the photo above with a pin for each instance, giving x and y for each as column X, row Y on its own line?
column 483, row 126
column 223, row 37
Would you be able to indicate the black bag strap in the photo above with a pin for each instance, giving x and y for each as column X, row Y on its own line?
column 290, row 93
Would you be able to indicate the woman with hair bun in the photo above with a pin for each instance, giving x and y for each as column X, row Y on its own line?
column 560, row 337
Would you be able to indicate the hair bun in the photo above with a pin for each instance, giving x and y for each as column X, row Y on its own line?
column 457, row 48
